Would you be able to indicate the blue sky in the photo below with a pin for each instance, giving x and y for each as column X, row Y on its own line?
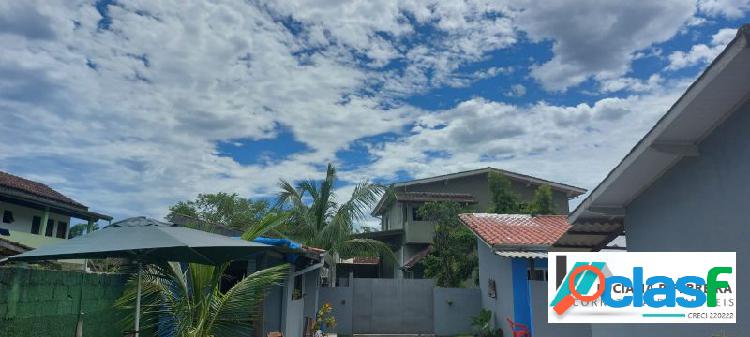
column 129, row 106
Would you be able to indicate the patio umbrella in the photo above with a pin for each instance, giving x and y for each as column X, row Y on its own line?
column 147, row 240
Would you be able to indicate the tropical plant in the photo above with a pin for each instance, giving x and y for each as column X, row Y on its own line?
column 224, row 209
column 80, row 229
column 317, row 219
column 453, row 259
column 188, row 302
column 192, row 303
column 482, row 325
column 542, row 202
column 504, row 200
column 324, row 319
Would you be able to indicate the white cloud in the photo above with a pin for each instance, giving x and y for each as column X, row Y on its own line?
column 127, row 119
column 574, row 144
column 733, row 9
column 701, row 53
column 597, row 39
column 516, row 90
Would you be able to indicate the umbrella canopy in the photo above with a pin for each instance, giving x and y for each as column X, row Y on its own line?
column 148, row 240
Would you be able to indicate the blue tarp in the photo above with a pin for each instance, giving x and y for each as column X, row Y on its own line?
column 281, row 243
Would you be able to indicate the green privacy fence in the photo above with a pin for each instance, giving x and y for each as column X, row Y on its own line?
column 46, row 303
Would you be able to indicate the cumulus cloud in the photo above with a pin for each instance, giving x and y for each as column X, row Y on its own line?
column 701, row 53
column 575, row 144
column 124, row 107
column 597, row 39
column 516, row 90
column 733, row 9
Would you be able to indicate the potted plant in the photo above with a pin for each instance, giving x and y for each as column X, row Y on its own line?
column 324, row 320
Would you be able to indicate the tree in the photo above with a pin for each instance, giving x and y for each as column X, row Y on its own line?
column 80, row 229
column 226, row 209
column 542, row 202
column 193, row 301
column 504, row 200
column 318, row 220
column 453, row 258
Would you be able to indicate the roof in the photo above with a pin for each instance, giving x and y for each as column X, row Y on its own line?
column 508, row 231
column 390, row 233
column 424, row 197
column 414, row 259
column 589, row 235
column 573, row 191
column 720, row 90
column 32, row 193
column 434, row 196
column 523, row 254
column 10, row 248
column 17, row 183
column 361, row 260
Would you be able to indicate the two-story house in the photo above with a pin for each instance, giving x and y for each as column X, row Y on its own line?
column 33, row 214
column 411, row 236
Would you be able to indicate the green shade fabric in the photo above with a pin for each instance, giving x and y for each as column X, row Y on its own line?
column 148, row 240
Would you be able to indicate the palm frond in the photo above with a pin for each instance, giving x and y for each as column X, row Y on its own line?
column 234, row 312
column 268, row 224
column 366, row 247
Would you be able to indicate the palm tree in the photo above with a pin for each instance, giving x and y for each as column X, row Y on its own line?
column 318, row 220
column 191, row 299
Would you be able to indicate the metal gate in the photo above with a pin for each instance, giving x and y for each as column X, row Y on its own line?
column 392, row 306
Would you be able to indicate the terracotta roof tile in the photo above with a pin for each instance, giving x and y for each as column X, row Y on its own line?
column 516, row 229
column 36, row 189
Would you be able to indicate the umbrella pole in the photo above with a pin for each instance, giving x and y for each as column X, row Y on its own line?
column 138, row 303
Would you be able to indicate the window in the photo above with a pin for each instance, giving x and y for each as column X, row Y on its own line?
column 415, row 213
column 298, row 284
column 50, row 227
column 8, row 217
column 36, row 222
column 62, row 227
column 491, row 289
column 537, row 275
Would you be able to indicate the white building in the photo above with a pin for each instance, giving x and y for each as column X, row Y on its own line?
column 33, row 214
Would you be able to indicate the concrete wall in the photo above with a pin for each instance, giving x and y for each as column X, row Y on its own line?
column 453, row 309
column 392, row 306
column 700, row 204
column 499, row 269
column 46, row 303
column 539, row 312
column 311, row 294
column 401, row 306
column 341, row 300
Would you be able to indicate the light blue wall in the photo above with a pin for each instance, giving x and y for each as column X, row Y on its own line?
column 700, row 204
column 454, row 309
column 341, row 300
column 499, row 269
column 539, row 311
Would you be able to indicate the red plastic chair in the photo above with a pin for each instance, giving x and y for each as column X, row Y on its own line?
column 518, row 329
